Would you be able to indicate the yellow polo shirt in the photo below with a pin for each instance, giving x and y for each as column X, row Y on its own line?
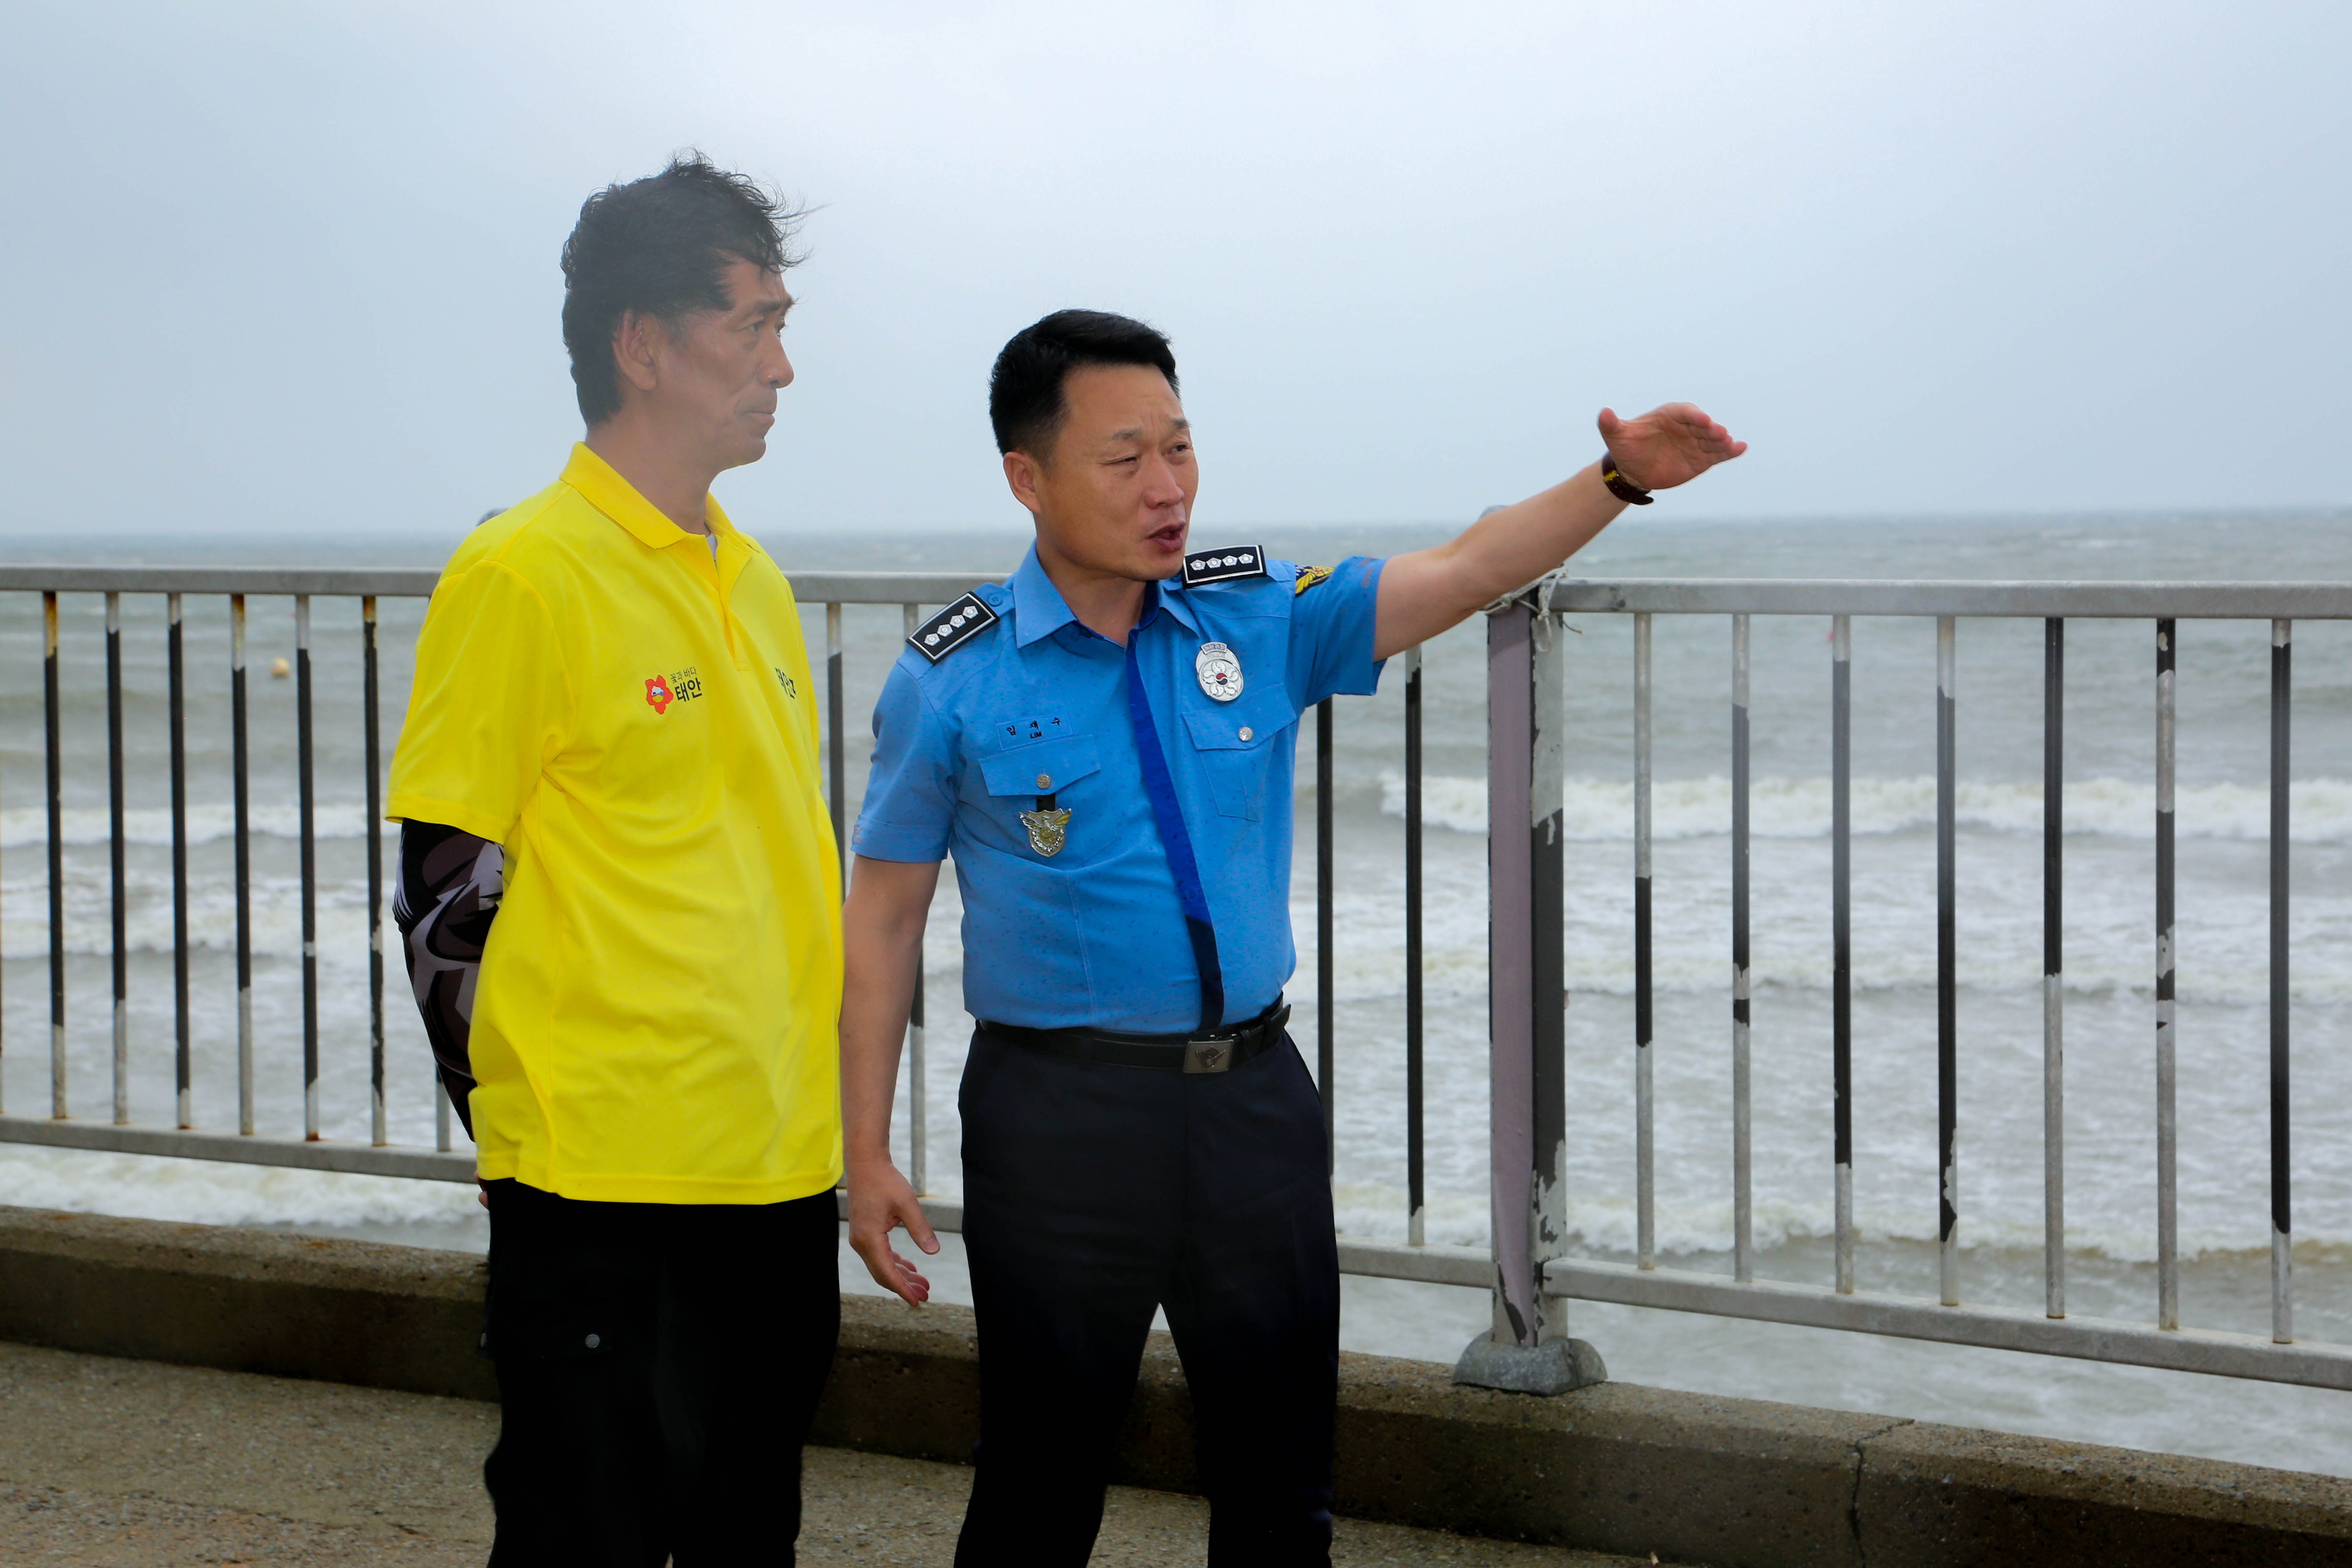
column 655, row 1016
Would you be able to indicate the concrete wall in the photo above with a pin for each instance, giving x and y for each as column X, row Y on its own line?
column 1729, row 1482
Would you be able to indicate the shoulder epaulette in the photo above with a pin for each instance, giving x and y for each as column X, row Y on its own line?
column 1227, row 565
column 952, row 628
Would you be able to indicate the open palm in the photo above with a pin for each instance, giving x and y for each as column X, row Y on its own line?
column 1669, row 446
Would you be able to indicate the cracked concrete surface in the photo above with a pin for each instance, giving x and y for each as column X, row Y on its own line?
column 125, row 1464
column 1854, row 1499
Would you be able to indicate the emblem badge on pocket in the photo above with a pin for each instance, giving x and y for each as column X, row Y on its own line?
column 1049, row 830
column 1220, row 671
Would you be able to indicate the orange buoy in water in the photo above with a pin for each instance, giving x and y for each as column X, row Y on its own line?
column 279, row 669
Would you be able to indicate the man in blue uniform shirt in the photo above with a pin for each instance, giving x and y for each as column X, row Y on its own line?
column 1105, row 746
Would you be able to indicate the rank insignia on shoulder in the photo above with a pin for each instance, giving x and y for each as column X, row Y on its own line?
column 952, row 628
column 1227, row 565
column 1307, row 577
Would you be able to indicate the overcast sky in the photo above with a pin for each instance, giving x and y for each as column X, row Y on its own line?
column 293, row 267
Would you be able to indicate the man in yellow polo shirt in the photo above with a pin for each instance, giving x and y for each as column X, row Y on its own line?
column 620, row 896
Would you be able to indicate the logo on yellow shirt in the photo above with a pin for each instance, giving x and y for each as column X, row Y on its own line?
column 683, row 686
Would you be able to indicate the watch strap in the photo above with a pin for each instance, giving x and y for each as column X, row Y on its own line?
column 1620, row 486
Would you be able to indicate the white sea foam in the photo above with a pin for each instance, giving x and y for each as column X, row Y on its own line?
column 1602, row 810
column 206, row 1192
column 23, row 826
column 1378, row 1212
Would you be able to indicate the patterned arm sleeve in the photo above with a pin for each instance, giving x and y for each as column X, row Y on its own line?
column 444, row 900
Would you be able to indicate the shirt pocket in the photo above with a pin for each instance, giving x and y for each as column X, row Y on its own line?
column 1236, row 746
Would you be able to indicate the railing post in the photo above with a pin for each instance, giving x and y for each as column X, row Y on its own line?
column 1527, row 1351
column 1326, row 966
column 2281, row 1182
column 1415, row 1151
column 52, row 755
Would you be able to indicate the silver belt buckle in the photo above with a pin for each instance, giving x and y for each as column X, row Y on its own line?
column 1209, row 1055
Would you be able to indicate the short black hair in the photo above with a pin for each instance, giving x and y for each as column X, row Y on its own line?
column 1025, row 390
column 661, row 247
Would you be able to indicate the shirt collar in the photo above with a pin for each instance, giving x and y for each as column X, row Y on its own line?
column 609, row 493
column 1039, row 610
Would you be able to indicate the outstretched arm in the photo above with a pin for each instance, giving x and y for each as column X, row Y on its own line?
column 1424, row 593
column 882, row 938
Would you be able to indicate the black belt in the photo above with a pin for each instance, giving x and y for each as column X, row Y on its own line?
column 1217, row 1051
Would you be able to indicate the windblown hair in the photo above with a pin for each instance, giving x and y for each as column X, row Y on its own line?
column 1025, row 401
column 661, row 247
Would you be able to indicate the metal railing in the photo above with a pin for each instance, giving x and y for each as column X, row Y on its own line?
column 1525, row 1266
column 237, row 586
column 1530, row 1246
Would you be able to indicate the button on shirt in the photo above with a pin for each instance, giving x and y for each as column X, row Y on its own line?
column 1035, row 705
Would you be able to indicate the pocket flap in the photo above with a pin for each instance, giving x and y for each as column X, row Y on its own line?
column 1241, row 725
column 1060, row 764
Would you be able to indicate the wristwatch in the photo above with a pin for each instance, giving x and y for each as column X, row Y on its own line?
column 1620, row 486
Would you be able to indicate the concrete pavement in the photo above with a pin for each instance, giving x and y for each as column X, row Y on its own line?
column 127, row 1464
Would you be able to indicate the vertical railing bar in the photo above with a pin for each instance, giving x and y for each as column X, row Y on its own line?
column 183, row 1053
column 2053, row 967
column 1646, row 1188
column 918, row 1103
column 1326, row 1005
column 4, row 1064
column 1415, row 1149
column 1841, row 938
column 835, row 744
column 373, row 828
column 57, row 859
column 2282, row 1219
column 1947, row 1043
column 308, row 803
column 118, row 914
column 2167, row 1192
column 240, row 783
column 1742, row 1188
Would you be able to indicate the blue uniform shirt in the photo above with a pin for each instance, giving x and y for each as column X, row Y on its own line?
column 1036, row 705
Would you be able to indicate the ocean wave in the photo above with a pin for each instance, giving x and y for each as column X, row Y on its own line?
column 24, row 825
column 1377, row 1212
column 206, row 1192
column 1459, row 974
column 1602, row 810
column 276, row 912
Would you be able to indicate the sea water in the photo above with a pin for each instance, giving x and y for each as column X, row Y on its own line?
column 2222, row 825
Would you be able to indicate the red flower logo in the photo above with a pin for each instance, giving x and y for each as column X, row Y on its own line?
column 657, row 696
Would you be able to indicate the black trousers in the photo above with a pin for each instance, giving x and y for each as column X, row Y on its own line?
column 1094, row 1193
column 658, row 1366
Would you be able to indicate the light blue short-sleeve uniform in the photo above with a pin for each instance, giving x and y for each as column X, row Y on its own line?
column 1027, row 711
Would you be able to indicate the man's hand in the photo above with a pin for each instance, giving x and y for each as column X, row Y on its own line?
column 882, row 941
column 1427, row 590
column 880, row 1200
column 1666, row 446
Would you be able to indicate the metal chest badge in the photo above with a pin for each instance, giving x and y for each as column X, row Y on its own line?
column 1220, row 671
column 1048, row 829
